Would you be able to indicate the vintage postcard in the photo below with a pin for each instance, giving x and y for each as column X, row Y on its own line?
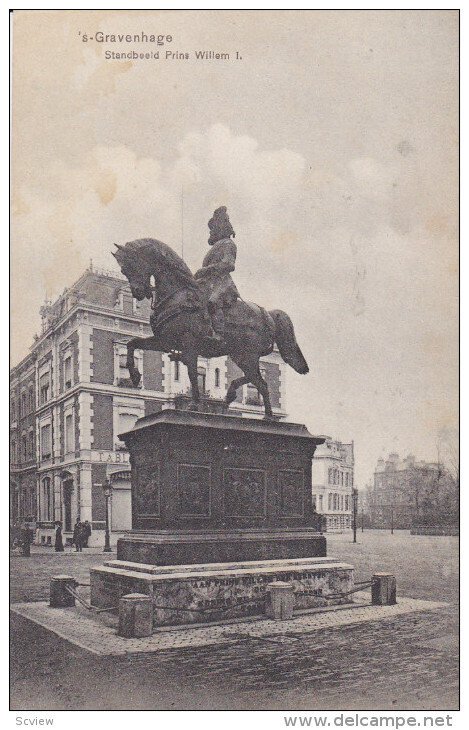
column 234, row 466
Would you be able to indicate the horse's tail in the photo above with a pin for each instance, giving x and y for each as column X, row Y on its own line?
column 286, row 341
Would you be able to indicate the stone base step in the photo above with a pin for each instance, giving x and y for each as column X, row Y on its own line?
column 184, row 594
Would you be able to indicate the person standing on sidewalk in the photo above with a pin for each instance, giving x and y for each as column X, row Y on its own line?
column 78, row 536
column 59, row 545
column 86, row 533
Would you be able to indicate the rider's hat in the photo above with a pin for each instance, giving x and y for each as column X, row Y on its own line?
column 220, row 226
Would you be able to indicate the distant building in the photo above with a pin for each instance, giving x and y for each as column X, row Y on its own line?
column 332, row 482
column 401, row 490
column 71, row 397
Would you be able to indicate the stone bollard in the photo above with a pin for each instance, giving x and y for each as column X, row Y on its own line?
column 383, row 590
column 280, row 600
column 59, row 597
column 135, row 616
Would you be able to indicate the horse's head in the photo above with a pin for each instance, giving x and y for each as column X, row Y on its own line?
column 136, row 269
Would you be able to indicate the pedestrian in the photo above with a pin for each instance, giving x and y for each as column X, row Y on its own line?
column 78, row 536
column 86, row 533
column 59, row 545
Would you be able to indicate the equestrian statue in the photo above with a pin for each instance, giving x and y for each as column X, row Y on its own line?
column 203, row 314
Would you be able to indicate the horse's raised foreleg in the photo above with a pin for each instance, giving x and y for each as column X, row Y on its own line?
column 138, row 343
column 234, row 385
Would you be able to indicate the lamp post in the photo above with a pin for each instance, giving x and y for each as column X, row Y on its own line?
column 107, row 489
column 354, row 501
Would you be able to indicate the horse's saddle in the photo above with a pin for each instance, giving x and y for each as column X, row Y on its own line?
column 239, row 315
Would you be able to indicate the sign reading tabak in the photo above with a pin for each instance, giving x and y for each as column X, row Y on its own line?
column 110, row 457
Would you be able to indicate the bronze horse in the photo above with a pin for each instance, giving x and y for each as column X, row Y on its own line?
column 181, row 323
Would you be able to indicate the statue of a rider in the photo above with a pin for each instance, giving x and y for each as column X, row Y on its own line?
column 215, row 274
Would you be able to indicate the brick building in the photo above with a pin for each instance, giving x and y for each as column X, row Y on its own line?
column 401, row 490
column 71, row 397
column 332, row 482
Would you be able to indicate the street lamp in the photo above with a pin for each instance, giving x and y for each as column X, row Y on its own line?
column 107, row 489
column 354, row 501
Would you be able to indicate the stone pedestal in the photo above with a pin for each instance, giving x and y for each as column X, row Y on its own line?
column 221, row 509
column 211, row 488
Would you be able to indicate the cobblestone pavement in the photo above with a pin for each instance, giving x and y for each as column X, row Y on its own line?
column 409, row 662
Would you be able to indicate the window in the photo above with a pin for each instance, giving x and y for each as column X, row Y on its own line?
column 31, row 399
column 47, row 503
column 68, row 372
column 252, row 395
column 342, row 502
column 121, row 372
column 126, row 422
column 329, row 476
column 314, row 501
column 69, row 434
column 44, row 387
column 23, row 404
column 346, row 479
column 24, row 447
column 329, row 502
column 31, row 444
column 177, row 370
column 201, row 378
column 342, row 478
column 217, row 377
column 320, row 507
column 13, row 409
column 46, row 443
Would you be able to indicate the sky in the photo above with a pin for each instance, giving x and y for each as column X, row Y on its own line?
column 333, row 141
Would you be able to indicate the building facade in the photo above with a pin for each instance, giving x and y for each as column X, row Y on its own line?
column 78, row 398
column 333, row 467
column 401, row 490
column 23, row 480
